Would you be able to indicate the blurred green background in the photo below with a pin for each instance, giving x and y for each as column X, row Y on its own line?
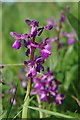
column 65, row 67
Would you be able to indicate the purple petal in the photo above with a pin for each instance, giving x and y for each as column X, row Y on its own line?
column 49, row 72
column 35, row 45
column 17, row 45
column 27, row 52
column 24, row 84
column 15, row 35
column 25, row 43
column 35, row 23
column 13, row 101
column 24, row 36
column 71, row 41
column 34, row 92
column 63, row 17
column 59, row 98
column 43, row 96
column 31, row 72
column 18, row 36
column 32, row 23
column 51, row 22
column 54, row 87
column 48, row 27
column 33, row 31
column 39, row 67
column 34, row 73
column 53, row 93
column 28, row 21
column 39, row 60
column 53, row 39
column 45, row 53
column 38, row 86
column 58, row 102
column 40, row 31
column 12, row 91
column 48, row 47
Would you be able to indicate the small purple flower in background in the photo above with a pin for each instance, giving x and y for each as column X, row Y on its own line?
column 70, row 37
column 71, row 41
column 51, row 21
column 62, row 17
column 22, row 78
column 13, row 101
column 12, row 93
column 68, row 8
column 13, row 89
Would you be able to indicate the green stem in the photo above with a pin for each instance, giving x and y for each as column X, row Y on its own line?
column 39, row 104
column 26, row 101
column 27, row 97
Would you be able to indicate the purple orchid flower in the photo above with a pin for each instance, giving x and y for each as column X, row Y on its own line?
column 59, row 98
column 70, row 37
column 51, row 22
column 62, row 17
column 31, row 72
column 17, row 44
column 18, row 39
column 34, row 24
column 13, row 101
column 45, row 85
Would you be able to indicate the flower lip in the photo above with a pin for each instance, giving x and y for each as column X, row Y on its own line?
column 17, row 45
column 45, row 53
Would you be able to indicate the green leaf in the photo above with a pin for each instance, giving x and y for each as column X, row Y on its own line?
column 2, row 115
column 51, row 112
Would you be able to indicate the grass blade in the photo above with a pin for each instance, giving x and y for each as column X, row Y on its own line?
column 51, row 112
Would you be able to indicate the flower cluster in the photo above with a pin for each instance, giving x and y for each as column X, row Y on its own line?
column 35, row 31
column 45, row 85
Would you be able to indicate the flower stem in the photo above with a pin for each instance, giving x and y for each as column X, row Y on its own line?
column 39, row 104
column 27, row 97
column 26, row 101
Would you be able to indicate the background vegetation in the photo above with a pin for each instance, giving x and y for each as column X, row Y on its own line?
column 65, row 67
